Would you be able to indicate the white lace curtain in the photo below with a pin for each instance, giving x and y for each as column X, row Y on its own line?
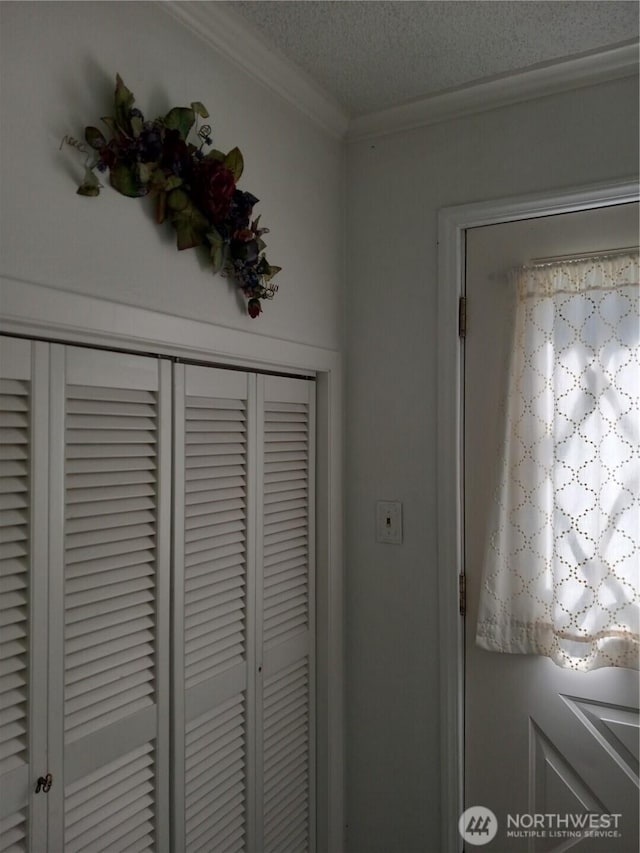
column 561, row 576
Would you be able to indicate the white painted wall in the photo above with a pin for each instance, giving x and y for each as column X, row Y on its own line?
column 58, row 62
column 396, row 186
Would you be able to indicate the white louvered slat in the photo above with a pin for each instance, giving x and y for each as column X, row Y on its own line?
column 110, row 552
column 14, row 588
column 286, row 760
column 286, row 520
column 13, row 833
column 215, row 780
column 112, row 808
column 214, row 536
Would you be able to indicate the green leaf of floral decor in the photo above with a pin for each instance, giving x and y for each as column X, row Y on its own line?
column 200, row 109
column 214, row 154
column 272, row 271
column 124, row 178
column 191, row 226
column 94, row 138
column 218, row 250
column 234, row 163
column 159, row 180
column 111, row 124
column 178, row 200
column 123, row 102
column 136, row 126
column 180, row 119
column 90, row 185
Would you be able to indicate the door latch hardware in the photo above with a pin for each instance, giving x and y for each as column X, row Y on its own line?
column 44, row 783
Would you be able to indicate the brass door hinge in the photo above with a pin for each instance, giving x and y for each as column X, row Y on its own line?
column 462, row 591
column 462, row 317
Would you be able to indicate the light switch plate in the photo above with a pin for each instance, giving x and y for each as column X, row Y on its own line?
column 389, row 522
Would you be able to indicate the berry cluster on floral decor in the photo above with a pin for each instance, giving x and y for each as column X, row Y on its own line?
column 195, row 187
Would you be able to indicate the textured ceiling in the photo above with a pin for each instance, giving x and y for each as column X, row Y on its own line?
column 373, row 55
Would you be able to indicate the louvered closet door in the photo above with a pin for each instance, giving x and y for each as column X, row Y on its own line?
column 23, row 575
column 112, row 658
column 286, row 625
column 213, row 610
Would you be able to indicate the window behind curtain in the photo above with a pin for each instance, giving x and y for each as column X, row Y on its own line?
column 561, row 573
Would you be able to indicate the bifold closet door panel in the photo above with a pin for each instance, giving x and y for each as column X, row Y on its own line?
column 23, row 598
column 110, row 505
column 286, row 623
column 214, row 611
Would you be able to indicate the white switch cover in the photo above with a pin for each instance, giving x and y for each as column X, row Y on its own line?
column 389, row 522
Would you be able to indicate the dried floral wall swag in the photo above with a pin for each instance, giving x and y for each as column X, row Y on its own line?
column 195, row 187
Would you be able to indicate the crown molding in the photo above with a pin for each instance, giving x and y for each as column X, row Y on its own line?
column 232, row 36
column 537, row 82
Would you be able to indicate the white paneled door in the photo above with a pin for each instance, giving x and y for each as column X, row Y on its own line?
column 157, row 605
column 546, row 749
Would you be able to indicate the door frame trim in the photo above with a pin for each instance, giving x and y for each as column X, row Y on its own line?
column 452, row 225
column 37, row 311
